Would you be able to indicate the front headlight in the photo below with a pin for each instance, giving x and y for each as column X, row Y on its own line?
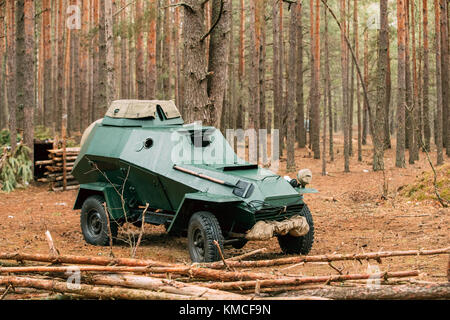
column 304, row 176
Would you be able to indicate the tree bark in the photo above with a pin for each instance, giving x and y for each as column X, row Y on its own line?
column 300, row 119
column 327, row 258
column 401, row 85
column 218, row 59
column 439, row 107
column 344, row 67
column 25, row 64
column 378, row 135
column 445, row 62
column 290, row 144
column 109, row 37
column 195, row 71
column 91, row 291
column 11, row 72
column 389, row 292
column 239, row 285
column 426, row 79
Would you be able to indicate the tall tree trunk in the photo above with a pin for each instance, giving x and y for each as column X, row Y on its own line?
column 167, row 90
column 275, row 67
column 47, row 98
column 109, row 37
column 84, row 67
column 218, row 59
column 401, row 85
column 300, row 122
column 378, row 135
column 365, row 127
column 445, row 63
column 426, row 79
column 25, row 64
column 387, row 103
column 344, row 66
column 262, row 66
column 315, row 90
column 195, row 71
column 3, row 57
column 439, row 107
column 358, row 83
column 101, row 99
column 139, row 32
column 290, row 144
column 409, row 90
column 328, row 102
column 11, row 72
column 151, row 51
column 416, row 107
column 281, row 63
column 240, row 110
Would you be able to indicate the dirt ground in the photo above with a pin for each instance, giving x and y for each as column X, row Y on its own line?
column 350, row 217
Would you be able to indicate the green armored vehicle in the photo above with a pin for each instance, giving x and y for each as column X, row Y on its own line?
column 142, row 164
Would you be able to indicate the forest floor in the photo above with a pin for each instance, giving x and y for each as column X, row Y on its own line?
column 349, row 213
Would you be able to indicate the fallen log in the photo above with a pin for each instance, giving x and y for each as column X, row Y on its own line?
column 194, row 272
column 68, row 150
column 165, row 285
column 238, row 285
column 71, row 259
column 73, row 187
column 325, row 258
column 92, row 291
column 401, row 292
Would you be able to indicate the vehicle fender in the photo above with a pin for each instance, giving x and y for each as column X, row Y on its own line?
column 112, row 198
column 306, row 190
column 192, row 201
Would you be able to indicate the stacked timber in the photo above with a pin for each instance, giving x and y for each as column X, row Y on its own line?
column 58, row 174
column 103, row 277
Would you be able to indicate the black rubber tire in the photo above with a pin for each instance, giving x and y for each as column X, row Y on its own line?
column 94, row 222
column 239, row 244
column 203, row 229
column 299, row 245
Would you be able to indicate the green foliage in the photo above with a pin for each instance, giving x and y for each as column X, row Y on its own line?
column 423, row 187
column 5, row 137
column 15, row 168
column 42, row 133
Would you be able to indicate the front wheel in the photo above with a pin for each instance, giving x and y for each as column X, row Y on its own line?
column 203, row 229
column 94, row 222
column 299, row 245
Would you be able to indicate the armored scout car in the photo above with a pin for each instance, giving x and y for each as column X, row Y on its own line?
column 141, row 157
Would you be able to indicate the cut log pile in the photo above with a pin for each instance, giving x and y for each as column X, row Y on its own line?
column 85, row 277
column 54, row 166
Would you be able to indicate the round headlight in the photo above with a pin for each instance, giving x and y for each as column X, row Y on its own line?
column 304, row 176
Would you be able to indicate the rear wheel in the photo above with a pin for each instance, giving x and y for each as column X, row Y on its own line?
column 299, row 245
column 94, row 222
column 203, row 229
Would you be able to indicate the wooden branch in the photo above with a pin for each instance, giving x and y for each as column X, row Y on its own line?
column 169, row 286
column 221, row 254
column 238, row 285
column 246, row 255
column 91, row 291
column 402, row 292
column 140, row 233
column 214, row 24
column 203, row 273
column 328, row 258
column 70, row 259
column 121, row 9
